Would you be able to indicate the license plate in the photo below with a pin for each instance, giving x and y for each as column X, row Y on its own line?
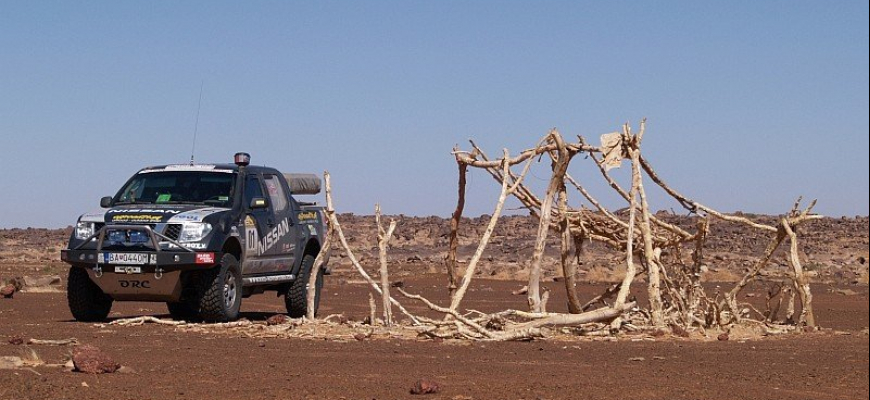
column 129, row 258
column 128, row 269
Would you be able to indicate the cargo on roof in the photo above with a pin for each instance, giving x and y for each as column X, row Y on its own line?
column 303, row 183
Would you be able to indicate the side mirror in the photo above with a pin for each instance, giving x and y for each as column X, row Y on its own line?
column 106, row 202
column 258, row 203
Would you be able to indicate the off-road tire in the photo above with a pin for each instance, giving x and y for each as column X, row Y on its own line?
column 87, row 302
column 296, row 298
column 183, row 310
column 209, row 292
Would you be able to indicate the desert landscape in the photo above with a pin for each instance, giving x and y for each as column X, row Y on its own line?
column 178, row 362
column 462, row 200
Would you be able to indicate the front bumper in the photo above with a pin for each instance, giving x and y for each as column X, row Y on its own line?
column 165, row 260
column 151, row 275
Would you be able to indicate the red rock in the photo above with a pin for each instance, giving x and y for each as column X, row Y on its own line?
column 724, row 337
column 360, row 337
column 679, row 331
column 16, row 341
column 277, row 319
column 91, row 360
column 17, row 283
column 425, row 386
column 7, row 292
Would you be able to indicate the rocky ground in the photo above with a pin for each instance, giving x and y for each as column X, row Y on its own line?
column 162, row 362
column 835, row 250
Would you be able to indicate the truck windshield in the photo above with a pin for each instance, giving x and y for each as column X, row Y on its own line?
column 174, row 187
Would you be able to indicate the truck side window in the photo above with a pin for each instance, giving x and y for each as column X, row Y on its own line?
column 252, row 189
column 276, row 193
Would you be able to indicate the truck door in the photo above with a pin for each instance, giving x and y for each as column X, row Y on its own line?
column 256, row 223
column 282, row 238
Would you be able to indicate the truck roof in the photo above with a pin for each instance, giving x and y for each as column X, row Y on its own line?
column 206, row 168
column 298, row 183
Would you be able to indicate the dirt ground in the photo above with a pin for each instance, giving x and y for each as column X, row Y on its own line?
column 832, row 364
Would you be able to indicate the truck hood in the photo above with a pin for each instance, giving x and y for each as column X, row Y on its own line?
column 152, row 214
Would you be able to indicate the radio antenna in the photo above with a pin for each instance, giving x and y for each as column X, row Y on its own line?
column 196, row 124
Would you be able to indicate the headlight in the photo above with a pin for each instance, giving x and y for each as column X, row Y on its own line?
column 84, row 230
column 194, row 231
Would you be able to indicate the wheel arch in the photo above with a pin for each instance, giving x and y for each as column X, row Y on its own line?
column 234, row 247
column 312, row 247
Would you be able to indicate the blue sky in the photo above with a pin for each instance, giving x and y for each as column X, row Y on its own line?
column 750, row 104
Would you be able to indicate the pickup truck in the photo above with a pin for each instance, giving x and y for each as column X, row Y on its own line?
column 199, row 237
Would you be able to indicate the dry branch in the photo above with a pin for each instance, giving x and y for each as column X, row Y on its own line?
column 336, row 226
column 569, row 268
column 801, row 282
column 454, row 228
column 325, row 249
column 557, row 181
column 384, row 236
column 506, row 189
column 674, row 288
column 146, row 320
column 62, row 342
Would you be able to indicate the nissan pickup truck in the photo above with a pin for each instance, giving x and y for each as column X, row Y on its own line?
column 199, row 237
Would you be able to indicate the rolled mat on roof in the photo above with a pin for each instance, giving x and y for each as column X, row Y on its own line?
column 303, row 183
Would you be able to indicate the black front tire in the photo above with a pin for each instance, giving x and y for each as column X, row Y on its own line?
column 87, row 302
column 219, row 291
column 183, row 311
column 296, row 298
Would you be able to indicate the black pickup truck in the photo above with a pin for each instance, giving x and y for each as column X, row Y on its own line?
column 199, row 237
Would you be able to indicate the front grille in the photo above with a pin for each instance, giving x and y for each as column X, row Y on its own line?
column 172, row 231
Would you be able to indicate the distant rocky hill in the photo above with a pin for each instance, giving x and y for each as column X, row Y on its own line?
column 835, row 250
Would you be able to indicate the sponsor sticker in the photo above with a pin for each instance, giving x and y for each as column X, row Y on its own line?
column 307, row 216
column 260, row 245
column 137, row 218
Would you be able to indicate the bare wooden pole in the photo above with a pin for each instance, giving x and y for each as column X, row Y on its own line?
column 652, row 262
column 695, row 293
column 801, row 282
column 325, row 249
column 774, row 244
column 384, row 236
column 631, row 269
column 336, row 225
column 560, row 168
column 454, row 229
column 569, row 268
column 373, row 310
column 484, row 240
column 556, row 320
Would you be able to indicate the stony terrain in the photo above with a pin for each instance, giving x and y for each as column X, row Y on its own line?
column 162, row 362
column 835, row 250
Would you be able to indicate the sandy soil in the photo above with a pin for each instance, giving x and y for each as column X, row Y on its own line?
column 169, row 363
column 832, row 364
